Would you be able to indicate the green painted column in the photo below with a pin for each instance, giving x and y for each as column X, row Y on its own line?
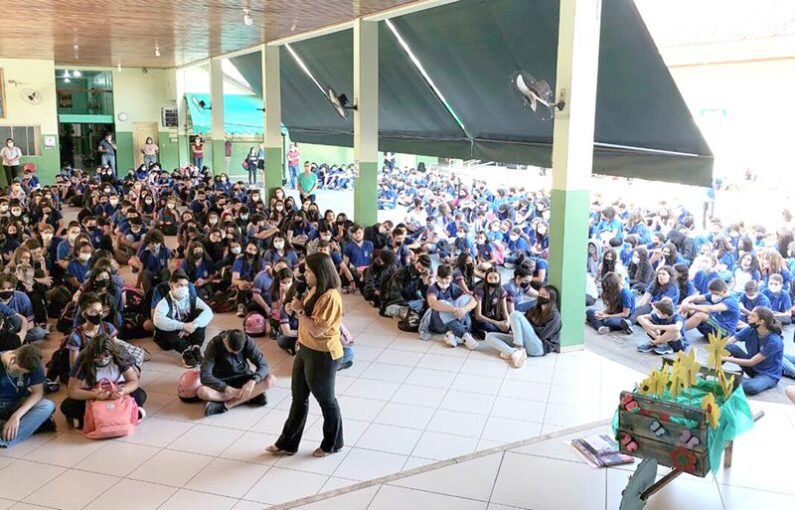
column 273, row 168
column 125, row 158
column 572, row 162
column 365, row 120
column 169, row 151
column 272, row 118
column 218, row 163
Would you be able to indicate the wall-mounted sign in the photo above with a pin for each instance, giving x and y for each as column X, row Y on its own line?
column 49, row 142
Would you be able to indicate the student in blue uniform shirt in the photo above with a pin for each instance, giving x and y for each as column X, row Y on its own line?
column 356, row 258
column 448, row 311
column 638, row 227
column 609, row 226
column 152, row 259
column 619, row 305
column 244, row 269
column 397, row 246
column 664, row 286
column 20, row 304
column 703, row 271
column 280, row 249
column 665, row 328
column 780, row 301
column 79, row 266
column 23, row 408
column 716, row 312
column 763, row 356
column 521, row 295
column 750, row 299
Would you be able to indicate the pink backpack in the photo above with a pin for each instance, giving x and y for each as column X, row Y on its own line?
column 110, row 418
column 189, row 384
column 254, row 325
column 346, row 338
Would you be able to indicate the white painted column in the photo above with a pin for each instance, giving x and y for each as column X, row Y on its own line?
column 365, row 119
column 272, row 100
column 217, row 103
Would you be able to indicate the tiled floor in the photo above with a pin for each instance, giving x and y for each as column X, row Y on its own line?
column 406, row 403
column 547, row 474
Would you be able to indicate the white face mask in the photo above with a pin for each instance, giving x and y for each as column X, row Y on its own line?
column 514, row 238
column 180, row 293
column 443, row 286
column 85, row 257
column 236, row 250
column 326, row 237
column 636, row 260
column 278, row 244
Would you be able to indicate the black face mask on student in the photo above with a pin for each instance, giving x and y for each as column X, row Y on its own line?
column 6, row 294
column 94, row 319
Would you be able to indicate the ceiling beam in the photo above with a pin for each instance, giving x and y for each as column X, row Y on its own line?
column 402, row 10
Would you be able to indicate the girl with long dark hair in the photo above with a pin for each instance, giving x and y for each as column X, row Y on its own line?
column 317, row 360
column 619, row 305
column 491, row 314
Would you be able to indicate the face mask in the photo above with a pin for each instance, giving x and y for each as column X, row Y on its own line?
column 101, row 284
column 16, row 212
column 148, row 202
column 94, row 319
column 236, row 250
column 180, row 293
column 443, row 286
column 244, row 216
column 155, row 247
column 6, row 294
column 753, row 326
column 524, row 285
column 198, row 254
column 716, row 299
column 542, row 301
column 46, row 237
column 514, row 238
column 85, row 257
column 255, row 198
column 541, row 232
column 172, row 206
column 326, row 237
column 636, row 260
column 213, row 221
column 278, row 245
column 279, row 208
column 481, row 242
column 3, row 208
column 103, row 364
column 250, row 255
column 114, row 203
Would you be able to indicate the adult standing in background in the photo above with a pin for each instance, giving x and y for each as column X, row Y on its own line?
column 107, row 148
column 227, row 154
column 198, row 151
column 11, row 155
column 261, row 163
column 317, row 360
column 150, row 150
column 307, row 183
column 251, row 162
column 293, row 160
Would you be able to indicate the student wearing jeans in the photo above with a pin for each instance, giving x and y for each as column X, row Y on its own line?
column 533, row 333
column 715, row 312
column 762, row 360
column 619, row 305
column 23, row 408
column 317, row 360
column 448, row 311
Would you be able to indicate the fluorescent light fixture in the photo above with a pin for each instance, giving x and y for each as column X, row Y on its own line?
column 77, row 74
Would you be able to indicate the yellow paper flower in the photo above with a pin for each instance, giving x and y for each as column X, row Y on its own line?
column 716, row 350
column 711, row 409
column 726, row 384
column 660, row 380
column 688, row 367
column 676, row 378
column 646, row 386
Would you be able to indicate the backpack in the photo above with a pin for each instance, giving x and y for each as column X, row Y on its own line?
column 411, row 323
column 132, row 300
column 58, row 297
column 224, row 302
column 254, row 325
column 189, row 383
column 110, row 418
column 66, row 320
column 132, row 326
column 9, row 339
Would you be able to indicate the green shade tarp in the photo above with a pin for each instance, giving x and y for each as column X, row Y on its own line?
column 242, row 114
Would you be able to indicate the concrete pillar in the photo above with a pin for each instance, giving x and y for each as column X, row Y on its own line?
column 572, row 161
column 217, row 102
column 365, row 120
column 272, row 99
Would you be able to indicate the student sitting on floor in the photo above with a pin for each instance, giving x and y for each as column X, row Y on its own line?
column 619, row 305
column 750, row 300
column 780, row 301
column 533, row 333
column 448, row 311
column 226, row 375
column 762, row 359
column 376, row 275
column 23, row 408
column 665, row 328
column 715, row 312
column 664, row 286
column 491, row 314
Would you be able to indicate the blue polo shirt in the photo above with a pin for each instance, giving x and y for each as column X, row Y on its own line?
column 781, row 302
column 359, row 256
column 12, row 389
column 262, row 284
column 672, row 291
column 759, row 300
column 627, row 300
column 154, row 262
column 729, row 317
column 78, row 270
column 771, row 347
column 271, row 256
column 681, row 344
column 20, row 303
column 702, row 279
column 245, row 268
column 450, row 294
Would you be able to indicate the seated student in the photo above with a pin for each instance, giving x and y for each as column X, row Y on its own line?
column 521, row 294
column 719, row 312
column 663, row 286
column 356, row 258
column 535, row 332
column 376, row 275
column 747, row 270
column 665, row 328
column 79, row 266
column 448, row 311
column 200, row 269
column 287, row 335
column 780, row 301
column 763, row 356
column 180, row 320
column 23, row 408
column 282, row 282
column 464, row 272
column 92, row 313
column 491, row 314
column 280, row 250
column 749, row 300
column 406, row 288
column 640, row 271
column 486, row 254
column 244, row 269
column 226, row 375
column 102, row 359
column 152, row 261
column 619, row 305
column 683, row 283
column 20, row 305
column 703, row 271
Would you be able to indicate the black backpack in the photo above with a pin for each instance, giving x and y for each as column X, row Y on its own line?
column 57, row 299
column 411, row 323
column 66, row 320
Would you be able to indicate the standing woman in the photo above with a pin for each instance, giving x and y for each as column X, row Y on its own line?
column 11, row 155
column 317, row 360
column 198, row 152
column 251, row 165
column 150, row 150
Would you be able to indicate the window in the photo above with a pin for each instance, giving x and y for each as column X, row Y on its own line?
column 26, row 138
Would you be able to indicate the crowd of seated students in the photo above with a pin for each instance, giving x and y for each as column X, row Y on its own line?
column 466, row 262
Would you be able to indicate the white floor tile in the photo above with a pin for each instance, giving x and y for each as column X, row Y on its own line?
column 405, row 415
column 158, row 432
column 443, row 362
column 23, row 477
column 361, row 409
column 457, row 423
column 282, row 485
column 525, row 390
column 740, row 498
column 184, row 498
column 372, row 389
column 681, row 493
column 73, row 489
column 171, row 468
column 487, row 368
column 472, row 479
column 422, row 396
column 477, row 384
column 387, row 438
column 431, row 378
column 303, row 460
column 466, row 402
column 386, row 372
column 399, row 498
column 117, row 458
column 513, row 408
column 206, row 440
column 226, row 477
column 363, row 464
column 439, row 446
column 397, row 356
column 356, row 500
column 65, row 450
column 352, row 430
column 251, row 448
column 273, row 422
column 570, row 416
column 133, row 495
column 507, row 430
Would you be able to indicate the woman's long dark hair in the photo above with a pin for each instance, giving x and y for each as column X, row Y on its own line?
column 611, row 292
column 326, row 277
column 98, row 345
column 656, row 287
column 466, row 270
column 682, row 280
column 769, row 319
column 281, row 274
column 489, row 307
column 673, row 251
column 539, row 314
column 609, row 266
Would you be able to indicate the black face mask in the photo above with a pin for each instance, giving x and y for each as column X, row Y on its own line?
column 101, row 284
column 94, row 319
column 543, row 301
column 6, row 294
column 753, row 326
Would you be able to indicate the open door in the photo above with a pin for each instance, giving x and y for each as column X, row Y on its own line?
column 142, row 131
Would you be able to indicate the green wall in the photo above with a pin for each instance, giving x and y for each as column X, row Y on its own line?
column 48, row 165
column 124, row 152
column 169, row 151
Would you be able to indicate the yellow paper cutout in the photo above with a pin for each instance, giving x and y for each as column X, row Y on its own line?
column 712, row 410
column 688, row 367
column 726, row 384
column 716, row 350
column 676, row 378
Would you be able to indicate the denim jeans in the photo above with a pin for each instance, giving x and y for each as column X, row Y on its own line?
column 442, row 322
column 35, row 334
column 524, row 305
column 110, row 160
column 641, row 310
column 757, row 382
column 149, row 160
column 30, row 421
column 293, row 170
column 614, row 323
column 347, row 354
column 522, row 334
column 315, row 373
column 197, row 162
column 789, row 365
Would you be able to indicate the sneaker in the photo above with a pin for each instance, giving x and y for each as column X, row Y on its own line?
column 646, row 347
column 211, row 408
column 241, row 310
column 51, row 386
column 425, row 336
column 518, row 358
column 197, row 354
column 346, row 365
column 403, row 313
column 260, row 400
column 141, row 414
column 449, row 339
column 470, row 342
column 603, row 330
column 663, row 349
column 626, row 326
column 505, row 355
column 188, row 358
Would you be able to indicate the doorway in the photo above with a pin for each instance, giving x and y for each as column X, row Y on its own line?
column 142, row 131
column 79, row 142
